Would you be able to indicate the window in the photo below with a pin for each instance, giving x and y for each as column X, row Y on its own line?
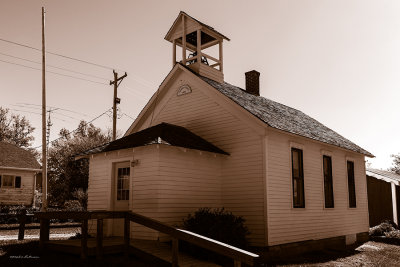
column 328, row 184
column 123, row 183
column 297, row 178
column 8, row 181
column 17, row 181
column 351, row 184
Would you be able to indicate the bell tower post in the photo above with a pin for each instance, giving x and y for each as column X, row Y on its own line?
column 193, row 37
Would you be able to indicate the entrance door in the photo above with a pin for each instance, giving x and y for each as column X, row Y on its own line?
column 121, row 194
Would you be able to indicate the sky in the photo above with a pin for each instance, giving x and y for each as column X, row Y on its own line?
column 337, row 61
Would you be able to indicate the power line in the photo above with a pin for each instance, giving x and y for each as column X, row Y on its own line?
column 52, row 66
column 36, row 113
column 60, row 55
column 79, row 113
column 54, row 110
column 52, row 72
column 78, row 127
column 128, row 116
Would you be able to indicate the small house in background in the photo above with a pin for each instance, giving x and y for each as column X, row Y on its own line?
column 202, row 142
column 18, row 171
column 383, row 196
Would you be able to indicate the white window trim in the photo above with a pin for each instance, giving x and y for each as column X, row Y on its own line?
column 329, row 154
column 301, row 147
column 13, row 180
column 347, row 183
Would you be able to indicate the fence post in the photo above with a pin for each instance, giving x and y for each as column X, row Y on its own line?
column 175, row 252
column 99, row 239
column 127, row 232
column 22, row 221
column 44, row 232
column 84, row 236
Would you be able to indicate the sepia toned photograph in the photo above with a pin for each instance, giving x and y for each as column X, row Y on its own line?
column 199, row 133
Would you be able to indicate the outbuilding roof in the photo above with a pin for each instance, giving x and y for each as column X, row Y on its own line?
column 12, row 156
column 163, row 133
column 383, row 175
column 284, row 118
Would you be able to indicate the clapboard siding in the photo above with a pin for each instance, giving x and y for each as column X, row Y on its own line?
column 18, row 196
column 287, row 224
column 242, row 171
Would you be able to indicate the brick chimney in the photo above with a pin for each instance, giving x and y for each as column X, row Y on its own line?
column 253, row 82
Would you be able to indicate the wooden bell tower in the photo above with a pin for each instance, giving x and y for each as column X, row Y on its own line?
column 193, row 37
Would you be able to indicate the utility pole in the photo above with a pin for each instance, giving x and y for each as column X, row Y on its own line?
column 44, row 144
column 116, row 100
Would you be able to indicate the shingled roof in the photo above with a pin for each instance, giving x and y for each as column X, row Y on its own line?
column 283, row 117
column 163, row 133
column 12, row 156
column 386, row 174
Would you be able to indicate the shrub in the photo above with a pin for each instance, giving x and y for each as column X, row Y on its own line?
column 381, row 229
column 82, row 196
column 393, row 234
column 217, row 224
column 73, row 205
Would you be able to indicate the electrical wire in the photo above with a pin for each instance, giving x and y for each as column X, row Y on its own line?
column 79, row 113
column 60, row 55
column 36, row 113
column 52, row 72
column 51, row 110
column 52, row 66
column 78, row 127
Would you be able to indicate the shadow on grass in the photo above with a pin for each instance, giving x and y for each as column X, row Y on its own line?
column 313, row 257
column 386, row 240
column 29, row 254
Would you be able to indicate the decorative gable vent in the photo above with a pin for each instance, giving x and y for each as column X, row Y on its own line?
column 184, row 90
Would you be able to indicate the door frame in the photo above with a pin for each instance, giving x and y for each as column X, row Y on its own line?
column 113, row 163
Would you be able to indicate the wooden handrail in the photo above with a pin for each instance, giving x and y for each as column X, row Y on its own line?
column 201, row 241
column 238, row 255
column 80, row 215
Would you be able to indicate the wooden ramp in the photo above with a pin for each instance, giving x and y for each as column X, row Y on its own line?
column 111, row 245
column 163, row 251
column 154, row 251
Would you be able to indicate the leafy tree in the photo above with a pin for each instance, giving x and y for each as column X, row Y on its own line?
column 66, row 175
column 15, row 129
column 395, row 164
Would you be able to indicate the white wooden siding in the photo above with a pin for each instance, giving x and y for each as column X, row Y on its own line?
column 242, row 175
column 18, row 196
column 287, row 224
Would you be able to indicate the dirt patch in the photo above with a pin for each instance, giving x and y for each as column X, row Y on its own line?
column 368, row 254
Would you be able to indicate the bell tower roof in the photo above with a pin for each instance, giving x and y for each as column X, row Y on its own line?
column 194, row 36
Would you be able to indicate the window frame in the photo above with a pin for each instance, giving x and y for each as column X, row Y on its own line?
column 300, row 178
column 123, row 193
column 353, row 189
column 12, row 181
column 330, row 171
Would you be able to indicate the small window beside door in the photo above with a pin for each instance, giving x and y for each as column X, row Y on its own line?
column 123, row 183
